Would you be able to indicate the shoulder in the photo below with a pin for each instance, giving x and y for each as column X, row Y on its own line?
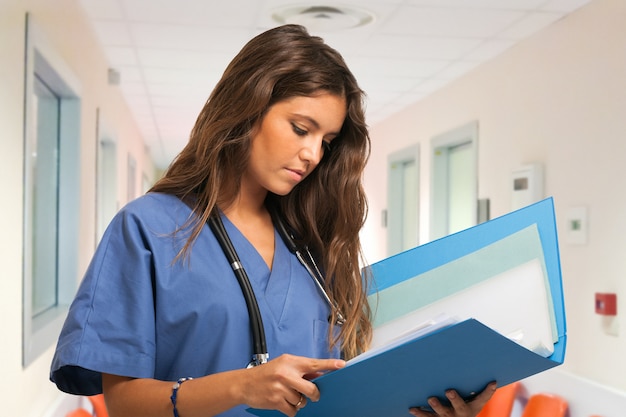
column 157, row 208
column 153, row 224
column 153, row 201
column 151, row 215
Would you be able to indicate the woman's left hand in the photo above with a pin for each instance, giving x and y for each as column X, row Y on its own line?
column 458, row 407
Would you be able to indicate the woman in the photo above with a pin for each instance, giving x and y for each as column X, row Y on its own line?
column 282, row 136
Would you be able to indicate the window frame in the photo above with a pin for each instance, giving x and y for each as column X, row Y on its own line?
column 41, row 331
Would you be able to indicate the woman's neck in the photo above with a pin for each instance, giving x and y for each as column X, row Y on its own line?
column 249, row 214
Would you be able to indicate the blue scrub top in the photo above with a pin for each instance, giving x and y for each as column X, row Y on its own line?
column 139, row 314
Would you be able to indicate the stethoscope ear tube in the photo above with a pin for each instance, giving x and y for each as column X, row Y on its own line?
column 310, row 265
column 261, row 354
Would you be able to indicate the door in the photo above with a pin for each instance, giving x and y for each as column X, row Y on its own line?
column 403, row 200
column 454, row 189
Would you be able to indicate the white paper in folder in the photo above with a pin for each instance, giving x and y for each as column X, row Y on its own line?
column 513, row 303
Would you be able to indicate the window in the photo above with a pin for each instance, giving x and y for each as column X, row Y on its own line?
column 51, row 194
column 44, row 201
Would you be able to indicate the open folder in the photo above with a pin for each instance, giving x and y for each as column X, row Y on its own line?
column 484, row 304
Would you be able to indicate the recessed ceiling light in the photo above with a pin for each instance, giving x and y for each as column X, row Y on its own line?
column 324, row 18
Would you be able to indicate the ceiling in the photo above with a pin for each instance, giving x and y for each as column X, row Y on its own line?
column 170, row 53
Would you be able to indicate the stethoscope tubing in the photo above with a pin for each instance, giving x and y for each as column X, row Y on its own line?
column 256, row 321
column 261, row 354
column 314, row 272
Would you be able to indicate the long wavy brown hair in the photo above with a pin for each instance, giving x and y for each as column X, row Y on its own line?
column 328, row 208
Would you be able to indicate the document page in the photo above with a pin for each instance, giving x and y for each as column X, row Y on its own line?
column 415, row 332
column 503, row 285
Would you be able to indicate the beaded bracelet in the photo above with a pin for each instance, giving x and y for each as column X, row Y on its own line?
column 175, row 387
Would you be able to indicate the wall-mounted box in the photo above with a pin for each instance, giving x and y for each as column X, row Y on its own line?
column 606, row 304
column 527, row 185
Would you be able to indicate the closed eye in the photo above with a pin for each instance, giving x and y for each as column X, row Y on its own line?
column 298, row 131
column 326, row 145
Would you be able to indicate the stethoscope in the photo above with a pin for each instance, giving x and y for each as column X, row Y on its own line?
column 261, row 354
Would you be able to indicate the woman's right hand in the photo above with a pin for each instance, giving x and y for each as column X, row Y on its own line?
column 284, row 384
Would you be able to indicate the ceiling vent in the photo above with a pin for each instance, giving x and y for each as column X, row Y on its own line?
column 324, row 18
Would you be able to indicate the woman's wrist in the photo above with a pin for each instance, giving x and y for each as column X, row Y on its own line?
column 174, row 396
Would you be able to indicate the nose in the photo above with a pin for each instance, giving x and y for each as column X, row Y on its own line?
column 311, row 151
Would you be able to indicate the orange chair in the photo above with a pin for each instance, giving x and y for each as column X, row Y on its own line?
column 79, row 412
column 545, row 405
column 99, row 407
column 501, row 402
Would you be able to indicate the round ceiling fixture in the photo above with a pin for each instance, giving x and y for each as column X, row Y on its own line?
column 323, row 18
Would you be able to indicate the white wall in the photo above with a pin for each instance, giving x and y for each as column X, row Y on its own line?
column 558, row 98
column 27, row 392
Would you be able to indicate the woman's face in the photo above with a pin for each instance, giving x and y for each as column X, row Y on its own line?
column 291, row 141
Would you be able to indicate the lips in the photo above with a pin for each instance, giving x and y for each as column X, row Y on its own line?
column 296, row 174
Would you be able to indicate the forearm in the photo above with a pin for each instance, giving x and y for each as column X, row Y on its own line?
column 200, row 397
column 278, row 385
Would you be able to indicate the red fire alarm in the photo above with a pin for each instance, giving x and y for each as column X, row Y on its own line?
column 606, row 304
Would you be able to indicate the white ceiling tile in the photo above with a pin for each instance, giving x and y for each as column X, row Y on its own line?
column 174, row 131
column 147, row 123
column 409, row 47
column 173, row 90
column 241, row 13
column 130, row 75
column 133, row 89
column 190, row 37
column 172, row 147
column 396, row 67
column 489, row 49
column 349, row 43
column 481, row 4
column 395, row 84
column 119, row 56
column 530, row 24
column 102, row 9
column 409, row 98
column 137, row 98
column 169, row 101
column 173, row 76
column 431, row 85
column 113, row 33
column 442, row 22
column 183, row 59
column 457, row 69
column 566, row 6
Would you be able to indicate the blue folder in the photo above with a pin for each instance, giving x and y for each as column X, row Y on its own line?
column 465, row 356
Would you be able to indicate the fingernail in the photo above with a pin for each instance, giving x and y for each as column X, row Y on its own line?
column 451, row 394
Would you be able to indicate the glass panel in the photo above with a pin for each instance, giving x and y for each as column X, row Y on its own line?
column 461, row 190
column 409, row 205
column 107, row 185
column 45, row 198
